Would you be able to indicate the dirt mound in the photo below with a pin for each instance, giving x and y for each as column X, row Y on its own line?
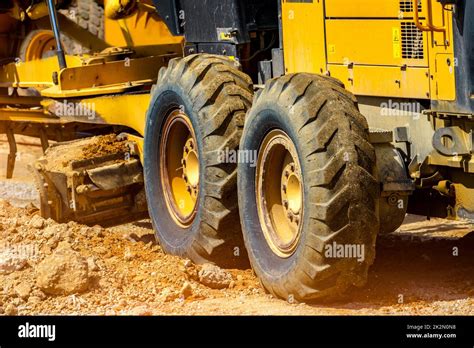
column 65, row 272
column 53, row 268
column 128, row 274
column 84, row 149
column 104, row 145
column 415, row 271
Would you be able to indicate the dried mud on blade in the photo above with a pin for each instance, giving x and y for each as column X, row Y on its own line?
column 93, row 181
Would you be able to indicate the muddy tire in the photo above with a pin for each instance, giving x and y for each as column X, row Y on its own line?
column 209, row 96
column 90, row 16
column 338, row 188
column 40, row 43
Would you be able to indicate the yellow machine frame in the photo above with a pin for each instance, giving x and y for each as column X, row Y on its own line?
column 378, row 62
column 116, row 82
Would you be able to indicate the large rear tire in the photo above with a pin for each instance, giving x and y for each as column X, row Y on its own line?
column 40, row 43
column 196, row 114
column 311, row 190
column 90, row 16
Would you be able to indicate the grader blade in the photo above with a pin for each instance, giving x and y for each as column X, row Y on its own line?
column 92, row 181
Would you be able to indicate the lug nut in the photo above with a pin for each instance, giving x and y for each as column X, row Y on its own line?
column 287, row 173
column 292, row 167
column 284, row 188
column 285, row 204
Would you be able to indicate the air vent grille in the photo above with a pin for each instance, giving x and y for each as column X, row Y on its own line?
column 407, row 6
column 412, row 41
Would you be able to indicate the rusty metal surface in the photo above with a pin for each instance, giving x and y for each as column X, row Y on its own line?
column 116, row 175
column 91, row 181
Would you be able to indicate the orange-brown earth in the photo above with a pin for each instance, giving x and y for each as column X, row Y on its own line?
column 427, row 267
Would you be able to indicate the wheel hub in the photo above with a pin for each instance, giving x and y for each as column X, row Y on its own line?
column 279, row 193
column 179, row 164
column 190, row 163
column 40, row 45
column 291, row 193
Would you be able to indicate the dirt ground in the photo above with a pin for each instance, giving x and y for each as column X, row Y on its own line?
column 425, row 268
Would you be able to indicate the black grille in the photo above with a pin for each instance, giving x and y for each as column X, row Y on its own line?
column 407, row 6
column 412, row 41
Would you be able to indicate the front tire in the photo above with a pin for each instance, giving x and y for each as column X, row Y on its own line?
column 196, row 113
column 307, row 131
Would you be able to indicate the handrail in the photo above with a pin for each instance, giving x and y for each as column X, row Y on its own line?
column 429, row 22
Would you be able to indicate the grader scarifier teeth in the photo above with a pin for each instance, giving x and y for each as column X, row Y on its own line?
column 93, row 181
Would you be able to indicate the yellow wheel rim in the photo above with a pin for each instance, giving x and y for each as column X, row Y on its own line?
column 279, row 193
column 179, row 165
column 39, row 45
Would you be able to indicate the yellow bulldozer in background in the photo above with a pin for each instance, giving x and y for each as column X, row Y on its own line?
column 288, row 133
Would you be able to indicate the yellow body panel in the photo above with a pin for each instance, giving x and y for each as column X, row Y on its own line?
column 383, row 46
column 371, row 8
column 34, row 74
column 126, row 110
column 442, row 61
column 144, row 31
column 444, row 72
column 375, row 48
column 386, row 81
column 96, row 75
column 303, row 37
column 112, row 77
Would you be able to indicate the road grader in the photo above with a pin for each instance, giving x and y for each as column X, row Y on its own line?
column 283, row 132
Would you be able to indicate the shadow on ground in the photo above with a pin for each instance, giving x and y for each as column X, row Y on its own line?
column 411, row 269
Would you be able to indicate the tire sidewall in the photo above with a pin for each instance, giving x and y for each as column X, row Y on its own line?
column 165, row 98
column 270, row 267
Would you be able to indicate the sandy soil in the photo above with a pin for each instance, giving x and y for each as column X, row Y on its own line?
column 425, row 268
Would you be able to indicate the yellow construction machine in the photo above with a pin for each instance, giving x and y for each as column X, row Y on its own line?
column 285, row 132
